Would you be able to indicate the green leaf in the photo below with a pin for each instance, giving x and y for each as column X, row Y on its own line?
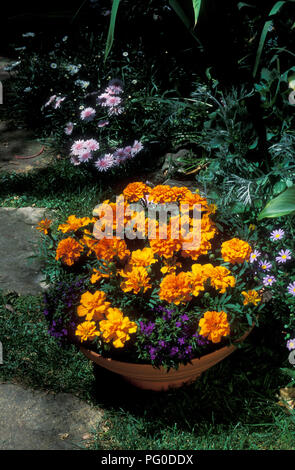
column 197, row 6
column 265, row 29
column 180, row 12
column 279, row 187
column 243, row 4
column 284, row 204
column 110, row 38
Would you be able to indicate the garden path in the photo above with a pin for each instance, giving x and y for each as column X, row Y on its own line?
column 38, row 420
column 17, row 239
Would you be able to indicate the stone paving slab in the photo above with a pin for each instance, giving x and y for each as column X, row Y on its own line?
column 37, row 420
column 20, row 142
column 18, row 239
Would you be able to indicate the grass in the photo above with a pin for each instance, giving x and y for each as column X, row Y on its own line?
column 232, row 406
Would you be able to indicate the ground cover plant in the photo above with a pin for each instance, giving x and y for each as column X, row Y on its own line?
column 100, row 92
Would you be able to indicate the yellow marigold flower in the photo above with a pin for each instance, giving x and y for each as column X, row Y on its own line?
column 214, row 326
column 137, row 279
column 235, row 251
column 69, row 251
column 87, row 331
column 251, row 297
column 221, row 279
column 144, row 257
column 73, row 223
column 44, row 225
column 176, row 288
column 116, row 328
column 136, row 191
column 93, row 306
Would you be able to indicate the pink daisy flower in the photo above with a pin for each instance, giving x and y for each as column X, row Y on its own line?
column 69, row 128
column 51, row 99
column 105, row 163
column 85, row 157
column 277, row 234
column 78, row 147
column 92, row 145
column 113, row 101
column 115, row 111
column 88, row 114
column 137, row 147
column 75, row 161
column 114, row 90
column 103, row 123
column 283, row 256
column 58, row 102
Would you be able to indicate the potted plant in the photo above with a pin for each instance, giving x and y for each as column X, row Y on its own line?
column 157, row 300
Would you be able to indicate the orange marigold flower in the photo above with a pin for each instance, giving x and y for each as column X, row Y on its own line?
column 192, row 199
column 136, row 191
column 137, row 279
column 73, row 223
column 162, row 193
column 214, row 326
column 44, row 225
column 99, row 274
column 221, row 279
column 170, row 266
column 144, row 257
column 236, row 251
column 176, row 288
column 166, row 248
column 116, row 328
column 251, row 297
column 198, row 277
column 93, row 306
column 87, row 331
column 108, row 248
column 68, row 250
column 194, row 254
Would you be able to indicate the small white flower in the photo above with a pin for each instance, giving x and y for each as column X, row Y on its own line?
column 125, row 54
column 134, row 82
column 53, row 65
column 28, row 89
column 65, row 38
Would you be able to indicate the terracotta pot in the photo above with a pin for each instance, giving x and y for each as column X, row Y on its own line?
column 147, row 377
